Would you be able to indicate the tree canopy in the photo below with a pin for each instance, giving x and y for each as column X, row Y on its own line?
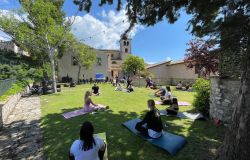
column 40, row 27
column 133, row 64
column 202, row 56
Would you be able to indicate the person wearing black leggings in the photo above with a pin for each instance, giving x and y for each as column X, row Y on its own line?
column 153, row 122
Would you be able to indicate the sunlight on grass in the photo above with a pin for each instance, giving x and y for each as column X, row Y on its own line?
column 123, row 145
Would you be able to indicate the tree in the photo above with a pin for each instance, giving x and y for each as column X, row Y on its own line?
column 202, row 55
column 133, row 64
column 85, row 56
column 229, row 22
column 39, row 26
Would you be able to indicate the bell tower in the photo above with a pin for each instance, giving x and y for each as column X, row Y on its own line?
column 125, row 47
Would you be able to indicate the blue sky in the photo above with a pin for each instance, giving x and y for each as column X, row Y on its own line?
column 104, row 25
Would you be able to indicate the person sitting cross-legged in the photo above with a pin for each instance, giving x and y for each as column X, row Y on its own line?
column 160, row 92
column 167, row 98
column 119, row 87
column 95, row 90
column 88, row 147
column 130, row 88
column 90, row 106
column 153, row 122
column 179, row 85
column 174, row 108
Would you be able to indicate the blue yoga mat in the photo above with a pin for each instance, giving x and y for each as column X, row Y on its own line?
column 169, row 142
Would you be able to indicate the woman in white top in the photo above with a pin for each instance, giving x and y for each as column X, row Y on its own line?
column 167, row 98
column 87, row 147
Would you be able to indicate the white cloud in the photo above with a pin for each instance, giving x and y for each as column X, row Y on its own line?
column 168, row 59
column 150, row 62
column 101, row 34
column 105, row 33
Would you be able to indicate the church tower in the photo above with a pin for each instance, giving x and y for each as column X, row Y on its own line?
column 125, row 47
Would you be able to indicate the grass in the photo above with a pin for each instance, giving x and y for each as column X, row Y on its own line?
column 15, row 88
column 203, row 137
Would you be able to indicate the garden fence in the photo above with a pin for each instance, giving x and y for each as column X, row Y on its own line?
column 6, row 85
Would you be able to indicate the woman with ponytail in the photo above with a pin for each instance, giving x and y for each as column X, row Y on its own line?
column 87, row 147
column 152, row 120
column 90, row 106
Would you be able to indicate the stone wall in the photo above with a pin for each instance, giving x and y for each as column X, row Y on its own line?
column 7, row 107
column 222, row 96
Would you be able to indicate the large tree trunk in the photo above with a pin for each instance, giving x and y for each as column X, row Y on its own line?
column 53, row 72
column 236, row 145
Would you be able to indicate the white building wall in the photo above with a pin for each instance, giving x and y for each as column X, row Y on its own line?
column 159, row 71
column 180, row 71
column 65, row 67
column 173, row 73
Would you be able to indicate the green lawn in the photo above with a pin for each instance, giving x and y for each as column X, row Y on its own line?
column 203, row 137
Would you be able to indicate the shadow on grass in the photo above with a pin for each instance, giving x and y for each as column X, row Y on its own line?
column 60, row 133
column 207, row 137
column 202, row 136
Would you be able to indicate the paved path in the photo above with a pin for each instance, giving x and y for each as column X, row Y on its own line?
column 21, row 138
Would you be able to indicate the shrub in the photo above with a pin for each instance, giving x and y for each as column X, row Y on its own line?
column 15, row 88
column 201, row 98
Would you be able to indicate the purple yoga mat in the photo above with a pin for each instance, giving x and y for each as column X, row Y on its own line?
column 184, row 104
column 179, row 103
column 75, row 113
column 158, row 102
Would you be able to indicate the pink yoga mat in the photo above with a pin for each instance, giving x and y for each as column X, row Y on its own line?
column 75, row 113
column 184, row 104
column 179, row 103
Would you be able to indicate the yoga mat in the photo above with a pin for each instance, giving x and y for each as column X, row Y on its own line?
column 75, row 113
column 168, row 141
column 184, row 103
column 180, row 103
column 103, row 137
column 158, row 102
column 193, row 116
column 179, row 114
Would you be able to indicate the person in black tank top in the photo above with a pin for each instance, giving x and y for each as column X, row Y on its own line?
column 152, row 120
column 95, row 90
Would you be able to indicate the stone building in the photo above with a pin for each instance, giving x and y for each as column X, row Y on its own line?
column 108, row 63
column 11, row 46
column 171, row 72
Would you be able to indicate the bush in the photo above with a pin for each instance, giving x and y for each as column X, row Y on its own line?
column 15, row 88
column 20, row 72
column 201, row 98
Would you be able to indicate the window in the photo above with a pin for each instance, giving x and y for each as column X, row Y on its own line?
column 124, row 43
column 112, row 55
column 74, row 61
column 126, row 50
column 99, row 61
column 127, row 43
column 114, row 62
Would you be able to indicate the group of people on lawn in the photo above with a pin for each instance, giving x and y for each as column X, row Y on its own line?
column 90, row 147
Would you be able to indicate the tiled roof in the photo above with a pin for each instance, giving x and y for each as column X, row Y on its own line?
column 157, row 64
column 168, row 63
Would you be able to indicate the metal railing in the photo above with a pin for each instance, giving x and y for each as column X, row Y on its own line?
column 5, row 85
